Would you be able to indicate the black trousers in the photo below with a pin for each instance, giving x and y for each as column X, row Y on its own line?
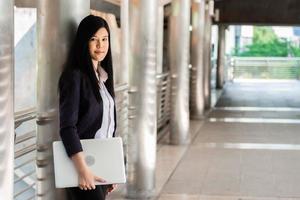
column 76, row 193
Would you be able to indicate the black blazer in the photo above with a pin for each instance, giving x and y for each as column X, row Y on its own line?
column 79, row 111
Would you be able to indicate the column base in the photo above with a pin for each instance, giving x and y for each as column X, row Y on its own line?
column 139, row 194
column 180, row 141
column 197, row 117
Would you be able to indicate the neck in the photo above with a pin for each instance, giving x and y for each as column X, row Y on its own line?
column 95, row 64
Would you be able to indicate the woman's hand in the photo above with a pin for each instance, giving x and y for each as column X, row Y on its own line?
column 86, row 178
column 111, row 188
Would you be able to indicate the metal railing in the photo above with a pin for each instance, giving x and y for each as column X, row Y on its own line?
column 213, row 80
column 122, row 109
column 121, row 92
column 163, row 102
column 265, row 68
column 25, row 142
column 25, row 148
column 228, row 68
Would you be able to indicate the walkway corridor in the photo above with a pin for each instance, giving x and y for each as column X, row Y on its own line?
column 248, row 148
column 247, row 151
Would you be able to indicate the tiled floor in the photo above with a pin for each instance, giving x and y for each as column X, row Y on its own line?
column 261, row 94
column 237, row 159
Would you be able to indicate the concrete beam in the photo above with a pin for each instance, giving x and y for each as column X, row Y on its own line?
column 107, row 6
column 267, row 12
column 26, row 3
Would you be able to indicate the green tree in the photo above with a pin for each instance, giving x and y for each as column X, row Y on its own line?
column 295, row 51
column 266, row 44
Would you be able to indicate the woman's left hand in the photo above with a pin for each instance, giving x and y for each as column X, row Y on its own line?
column 111, row 188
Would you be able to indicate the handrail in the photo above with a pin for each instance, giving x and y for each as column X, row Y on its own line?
column 25, row 150
column 24, row 163
column 25, row 137
column 265, row 67
column 121, row 87
column 31, row 198
column 24, row 190
column 267, row 58
column 24, row 176
column 24, row 115
column 22, row 140
column 163, row 75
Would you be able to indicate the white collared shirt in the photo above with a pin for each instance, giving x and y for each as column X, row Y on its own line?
column 108, row 120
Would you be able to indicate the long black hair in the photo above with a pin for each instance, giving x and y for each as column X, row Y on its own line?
column 79, row 56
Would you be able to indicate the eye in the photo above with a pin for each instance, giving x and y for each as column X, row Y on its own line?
column 105, row 39
column 93, row 39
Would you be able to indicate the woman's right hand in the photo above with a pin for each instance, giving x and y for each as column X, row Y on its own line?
column 86, row 178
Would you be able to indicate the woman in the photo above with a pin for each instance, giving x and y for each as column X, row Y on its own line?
column 86, row 102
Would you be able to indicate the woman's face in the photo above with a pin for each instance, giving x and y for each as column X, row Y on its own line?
column 98, row 45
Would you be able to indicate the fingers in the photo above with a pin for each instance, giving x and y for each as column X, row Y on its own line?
column 85, row 186
column 90, row 185
column 101, row 180
column 111, row 188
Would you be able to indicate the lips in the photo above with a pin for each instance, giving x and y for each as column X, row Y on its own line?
column 99, row 52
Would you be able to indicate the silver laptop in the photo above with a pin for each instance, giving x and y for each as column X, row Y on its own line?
column 103, row 156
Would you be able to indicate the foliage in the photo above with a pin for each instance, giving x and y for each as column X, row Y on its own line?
column 295, row 51
column 266, row 44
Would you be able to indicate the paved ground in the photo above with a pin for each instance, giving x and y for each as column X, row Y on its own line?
column 261, row 94
column 248, row 148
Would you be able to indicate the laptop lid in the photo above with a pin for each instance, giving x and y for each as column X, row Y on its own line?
column 104, row 157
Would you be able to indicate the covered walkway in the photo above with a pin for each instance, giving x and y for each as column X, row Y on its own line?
column 248, row 148
column 191, row 127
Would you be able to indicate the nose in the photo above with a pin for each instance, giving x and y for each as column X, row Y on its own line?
column 99, row 44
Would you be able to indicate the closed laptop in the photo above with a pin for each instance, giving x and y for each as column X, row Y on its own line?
column 104, row 157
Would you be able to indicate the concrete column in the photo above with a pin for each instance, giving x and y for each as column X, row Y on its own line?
column 221, row 57
column 207, row 57
column 179, row 40
column 197, row 59
column 57, row 22
column 6, row 99
column 142, row 99
column 124, row 41
column 160, row 39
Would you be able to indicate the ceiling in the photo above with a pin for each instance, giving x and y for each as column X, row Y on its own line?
column 265, row 12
